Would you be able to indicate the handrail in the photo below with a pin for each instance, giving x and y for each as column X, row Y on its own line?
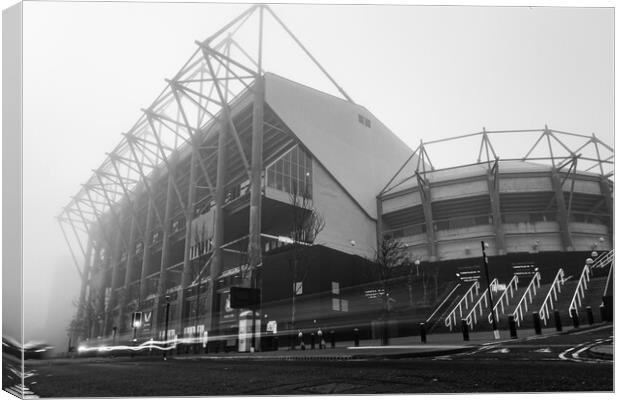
column 470, row 293
column 558, row 281
column 522, row 304
column 610, row 275
column 580, row 290
column 511, row 288
column 603, row 260
column 472, row 317
column 442, row 303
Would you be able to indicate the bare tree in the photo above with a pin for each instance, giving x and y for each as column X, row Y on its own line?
column 389, row 255
column 306, row 224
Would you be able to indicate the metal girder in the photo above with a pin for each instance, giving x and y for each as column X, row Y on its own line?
column 147, row 186
column 227, row 116
column 64, row 234
column 340, row 89
column 210, row 51
column 168, row 165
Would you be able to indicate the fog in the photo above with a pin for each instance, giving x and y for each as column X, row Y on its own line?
column 426, row 72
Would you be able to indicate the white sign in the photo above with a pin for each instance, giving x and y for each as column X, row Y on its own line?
column 272, row 326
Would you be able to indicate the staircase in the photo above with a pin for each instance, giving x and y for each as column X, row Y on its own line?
column 593, row 297
column 435, row 320
column 462, row 306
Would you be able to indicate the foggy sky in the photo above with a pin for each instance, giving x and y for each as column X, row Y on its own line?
column 426, row 72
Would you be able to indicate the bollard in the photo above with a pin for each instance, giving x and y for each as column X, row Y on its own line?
column 465, row 329
column 558, row 320
column 312, row 340
column 422, row 332
column 537, row 326
column 332, row 334
column 602, row 309
column 513, row 326
column 590, row 315
column 275, row 343
column 292, row 341
column 356, row 337
column 575, row 317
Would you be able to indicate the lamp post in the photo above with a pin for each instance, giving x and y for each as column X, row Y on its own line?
column 491, row 305
column 166, row 326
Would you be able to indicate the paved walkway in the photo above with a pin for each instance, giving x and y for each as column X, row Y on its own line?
column 436, row 345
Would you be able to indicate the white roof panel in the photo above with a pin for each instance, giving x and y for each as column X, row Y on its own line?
column 361, row 158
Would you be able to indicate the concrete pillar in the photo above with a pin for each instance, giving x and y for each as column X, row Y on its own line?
column 146, row 248
column 189, row 216
column 165, row 248
column 379, row 224
column 100, row 299
column 83, row 286
column 562, row 213
column 218, row 224
column 116, row 260
column 425, row 194
column 493, row 185
column 254, row 247
column 124, row 297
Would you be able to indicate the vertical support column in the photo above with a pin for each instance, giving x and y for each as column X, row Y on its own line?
column 567, row 240
column 100, row 299
column 493, row 185
column 254, row 247
column 425, row 194
column 84, row 284
column 609, row 206
column 379, row 225
column 218, row 224
column 146, row 250
column 256, row 195
column 189, row 216
column 124, row 297
column 165, row 248
column 116, row 260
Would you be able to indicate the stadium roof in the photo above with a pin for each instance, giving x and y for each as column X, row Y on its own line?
column 361, row 158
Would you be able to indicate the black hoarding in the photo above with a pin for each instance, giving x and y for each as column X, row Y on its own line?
column 241, row 297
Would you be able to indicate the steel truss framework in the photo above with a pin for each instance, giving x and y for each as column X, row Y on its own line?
column 562, row 151
column 556, row 150
column 189, row 139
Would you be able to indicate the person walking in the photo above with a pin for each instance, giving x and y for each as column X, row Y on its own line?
column 321, row 341
column 300, row 335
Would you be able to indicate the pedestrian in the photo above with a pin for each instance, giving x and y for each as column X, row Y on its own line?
column 321, row 341
column 300, row 335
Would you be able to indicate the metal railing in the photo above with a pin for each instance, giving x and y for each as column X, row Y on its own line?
column 472, row 317
column 451, row 318
column 526, row 299
column 604, row 259
column 580, row 290
column 555, row 288
column 458, row 285
column 504, row 300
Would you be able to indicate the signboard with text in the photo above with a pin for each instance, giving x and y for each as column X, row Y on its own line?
column 524, row 269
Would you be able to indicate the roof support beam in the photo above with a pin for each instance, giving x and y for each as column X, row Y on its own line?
column 425, row 194
column 493, row 185
column 565, row 235
column 301, row 46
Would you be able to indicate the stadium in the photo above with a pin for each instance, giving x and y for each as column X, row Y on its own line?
column 234, row 177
